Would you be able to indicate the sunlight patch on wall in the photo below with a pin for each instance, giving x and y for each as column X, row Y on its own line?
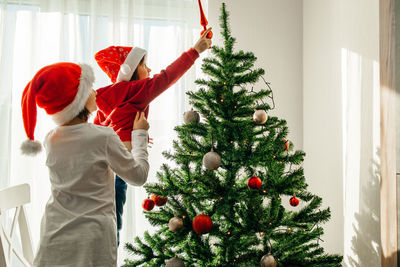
column 351, row 99
column 361, row 139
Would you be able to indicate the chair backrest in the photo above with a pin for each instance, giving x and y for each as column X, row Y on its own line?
column 15, row 198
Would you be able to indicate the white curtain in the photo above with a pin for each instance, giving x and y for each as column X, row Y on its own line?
column 34, row 33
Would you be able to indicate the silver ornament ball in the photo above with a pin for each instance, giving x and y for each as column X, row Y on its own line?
column 175, row 262
column 268, row 261
column 211, row 160
column 260, row 116
column 191, row 117
column 175, row 224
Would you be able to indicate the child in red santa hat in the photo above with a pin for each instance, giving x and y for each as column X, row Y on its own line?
column 79, row 223
column 132, row 91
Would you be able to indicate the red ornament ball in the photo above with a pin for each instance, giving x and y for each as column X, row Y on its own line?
column 294, row 201
column 148, row 204
column 254, row 183
column 287, row 144
column 158, row 200
column 202, row 224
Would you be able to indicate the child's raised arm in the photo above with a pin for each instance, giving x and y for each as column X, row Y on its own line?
column 142, row 92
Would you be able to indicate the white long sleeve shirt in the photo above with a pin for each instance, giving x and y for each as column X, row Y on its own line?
column 78, row 228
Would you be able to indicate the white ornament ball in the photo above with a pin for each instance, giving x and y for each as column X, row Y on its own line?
column 260, row 116
column 175, row 224
column 268, row 261
column 191, row 117
column 125, row 69
column 175, row 262
column 212, row 160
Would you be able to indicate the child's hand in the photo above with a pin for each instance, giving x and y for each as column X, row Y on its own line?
column 203, row 43
column 140, row 122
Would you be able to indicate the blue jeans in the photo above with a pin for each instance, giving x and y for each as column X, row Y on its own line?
column 120, row 198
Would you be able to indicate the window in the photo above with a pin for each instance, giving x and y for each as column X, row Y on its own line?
column 36, row 33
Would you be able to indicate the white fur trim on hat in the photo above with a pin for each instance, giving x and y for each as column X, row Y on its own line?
column 84, row 90
column 131, row 62
column 31, row 147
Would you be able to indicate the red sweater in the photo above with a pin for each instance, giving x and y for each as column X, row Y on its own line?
column 118, row 103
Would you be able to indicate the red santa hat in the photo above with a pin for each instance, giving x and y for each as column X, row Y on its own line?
column 119, row 62
column 62, row 90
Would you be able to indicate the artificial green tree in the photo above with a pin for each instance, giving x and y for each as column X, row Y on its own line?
column 243, row 194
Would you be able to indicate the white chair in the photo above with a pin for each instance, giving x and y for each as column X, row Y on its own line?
column 15, row 198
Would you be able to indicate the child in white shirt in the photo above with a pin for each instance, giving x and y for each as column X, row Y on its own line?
column 79, row 224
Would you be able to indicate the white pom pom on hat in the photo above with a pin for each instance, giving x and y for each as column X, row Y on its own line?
column 31, row 147
column 62, row 90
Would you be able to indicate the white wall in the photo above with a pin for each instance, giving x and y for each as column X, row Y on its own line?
column 322, row 113
column 272, row 30
column 341, row 122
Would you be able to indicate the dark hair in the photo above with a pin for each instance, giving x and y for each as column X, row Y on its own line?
column 84, row 114
column 135, row 76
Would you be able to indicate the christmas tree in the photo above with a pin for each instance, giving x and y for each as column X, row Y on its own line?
column 223, row 203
